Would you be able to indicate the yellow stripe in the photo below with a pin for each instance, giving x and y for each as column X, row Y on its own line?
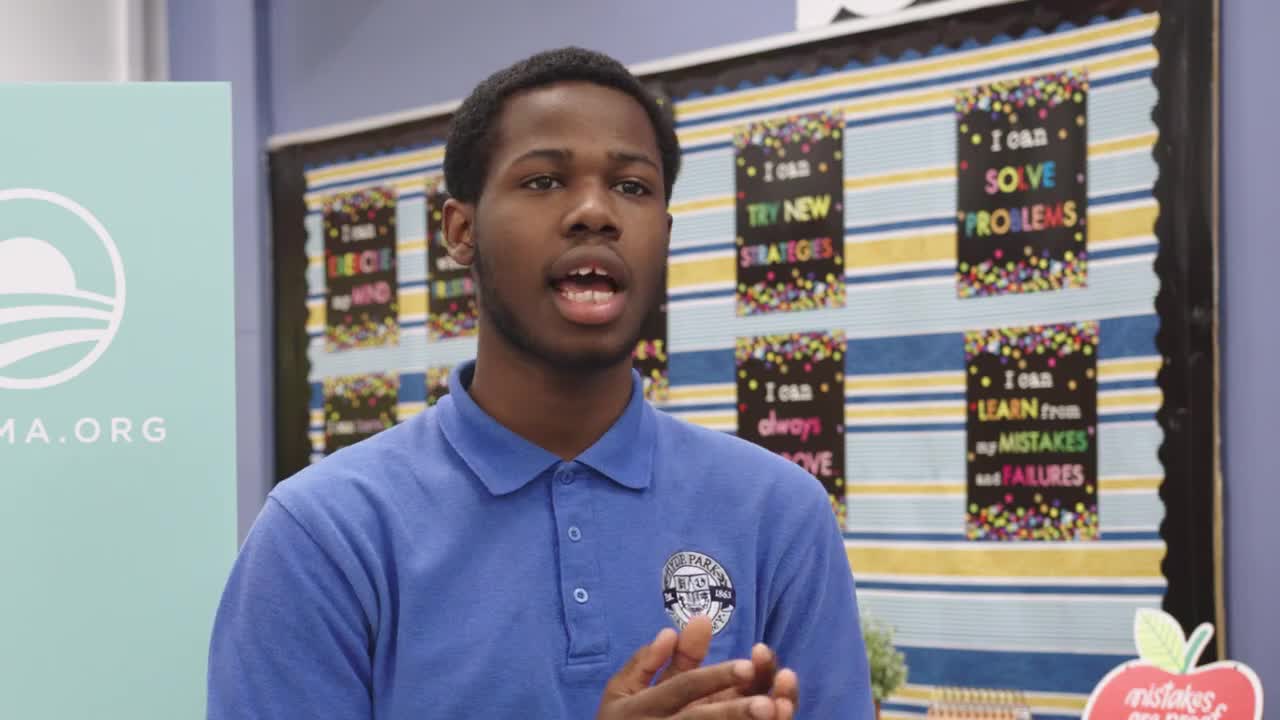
column 924, row 98
column 700, row 393
column 1112, row 484
column 897, row 178
column 1152, row 397
column 1146, row 23
column 404, row 411
column 1016, row 560
column 722, row 202
column 390, row 163
column 1130, row 144
column 413, row 302
column 718, row 269
column 712, row 419
column 1111, row 368
column 316, row 314
column 854, row 384
column 934, row 247
column 1107, row 227
column 1071, row 703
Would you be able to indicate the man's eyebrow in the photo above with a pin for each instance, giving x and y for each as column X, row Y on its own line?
column 563, row 155
column 557, row 154
column 630, row 157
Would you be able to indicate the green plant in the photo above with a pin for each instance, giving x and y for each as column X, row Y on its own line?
column 888, row 666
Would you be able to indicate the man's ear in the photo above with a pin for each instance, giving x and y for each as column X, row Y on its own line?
column 459, row 226
column 670, row 221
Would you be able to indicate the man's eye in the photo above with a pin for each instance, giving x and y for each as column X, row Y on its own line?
column 631, row 187
column 542, row 182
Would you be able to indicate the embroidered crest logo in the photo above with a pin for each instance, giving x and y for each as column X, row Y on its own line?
column 695, row 584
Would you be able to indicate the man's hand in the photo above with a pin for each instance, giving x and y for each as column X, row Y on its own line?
column 688, row 692
column 691, row 650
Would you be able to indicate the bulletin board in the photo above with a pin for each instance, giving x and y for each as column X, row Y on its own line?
column 961, row 270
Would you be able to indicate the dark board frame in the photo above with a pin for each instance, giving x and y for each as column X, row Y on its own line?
column 1186, row 262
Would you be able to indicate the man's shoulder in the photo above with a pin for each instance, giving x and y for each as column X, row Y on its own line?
column 746, row 466
column 361, row 481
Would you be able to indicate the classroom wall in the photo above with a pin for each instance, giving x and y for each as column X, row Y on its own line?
column 356, row 59
column 329, row 62
column 1250, row 332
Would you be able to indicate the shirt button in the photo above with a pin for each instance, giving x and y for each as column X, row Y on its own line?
column 566, row 477
column 580, row 595
column 575, row 534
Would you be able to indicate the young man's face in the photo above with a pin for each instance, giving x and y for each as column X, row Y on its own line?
column 569, row 239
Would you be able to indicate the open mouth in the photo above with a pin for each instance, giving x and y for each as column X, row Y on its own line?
column 589, row 284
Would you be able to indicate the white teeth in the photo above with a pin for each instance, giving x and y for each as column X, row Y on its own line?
column 584, row 271
column 594, row 297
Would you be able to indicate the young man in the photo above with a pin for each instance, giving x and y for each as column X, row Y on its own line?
column 512, row 552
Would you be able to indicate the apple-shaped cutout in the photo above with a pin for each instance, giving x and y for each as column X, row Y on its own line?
column 1165, row 684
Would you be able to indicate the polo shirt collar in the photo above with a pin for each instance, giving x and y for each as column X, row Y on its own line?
column 506, row 462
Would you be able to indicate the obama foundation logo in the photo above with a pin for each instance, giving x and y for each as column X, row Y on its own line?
column 695, row 584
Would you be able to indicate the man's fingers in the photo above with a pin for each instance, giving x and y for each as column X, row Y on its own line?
column 786, row 709
column 765, row 663
column 787, row 686
column 693, row 685
column 750, row 708
column 691, row 648
column 643, row 665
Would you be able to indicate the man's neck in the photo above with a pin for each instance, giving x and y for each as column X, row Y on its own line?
column 562, row 411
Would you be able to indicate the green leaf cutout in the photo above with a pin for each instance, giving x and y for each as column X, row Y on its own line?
column 1196, row 644
column 1160, row 640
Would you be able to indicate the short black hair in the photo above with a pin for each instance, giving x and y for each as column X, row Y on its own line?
column 469, row 148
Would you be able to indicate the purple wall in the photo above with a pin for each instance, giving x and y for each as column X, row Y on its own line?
column 390, row 56
column 1251, row 332
column 222, row 41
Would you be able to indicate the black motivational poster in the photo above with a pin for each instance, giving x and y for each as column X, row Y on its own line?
column 1032, row 433
column 650, row 356
column 451, row 301
column 790, row 214
column 791, row 401
column 361, row 290
column 357, row 407
column 1022, row 185
column 437, row 380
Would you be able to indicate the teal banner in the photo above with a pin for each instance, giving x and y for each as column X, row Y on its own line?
column 117, row 396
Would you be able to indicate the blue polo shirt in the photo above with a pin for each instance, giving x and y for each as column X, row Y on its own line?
column 448, row 568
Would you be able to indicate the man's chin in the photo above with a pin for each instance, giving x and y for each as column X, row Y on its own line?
column 588, row 360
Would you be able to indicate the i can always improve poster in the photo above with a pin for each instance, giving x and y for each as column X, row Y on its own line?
column 1032, row 433
column 790, row 214
column 361, row 287
column 791, row 401
column 1022, row 186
